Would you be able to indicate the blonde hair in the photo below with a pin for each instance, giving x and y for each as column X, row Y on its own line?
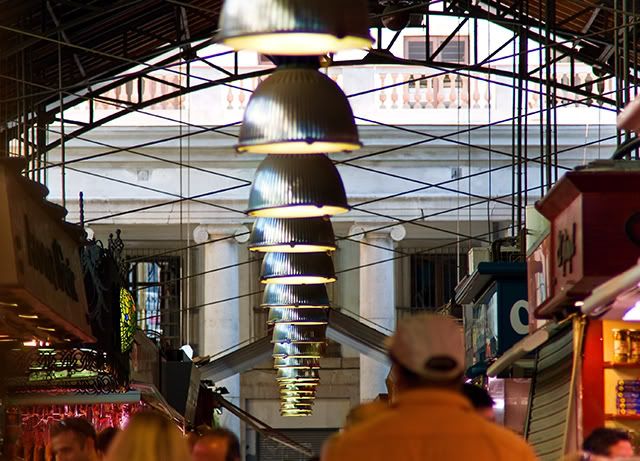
column 149, row 437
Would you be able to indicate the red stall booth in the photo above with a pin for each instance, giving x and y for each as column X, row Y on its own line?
column 580, row 372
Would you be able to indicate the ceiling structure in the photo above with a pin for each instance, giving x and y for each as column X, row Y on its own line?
column 67, row 50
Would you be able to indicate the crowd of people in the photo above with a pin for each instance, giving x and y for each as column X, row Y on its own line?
column 149, row 436
column 432, row 416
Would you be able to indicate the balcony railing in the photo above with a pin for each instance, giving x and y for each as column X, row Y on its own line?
column 402, row 95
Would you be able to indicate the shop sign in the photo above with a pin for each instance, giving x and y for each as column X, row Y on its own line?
column 538, row 274
column 566, row 249
column 40, row 268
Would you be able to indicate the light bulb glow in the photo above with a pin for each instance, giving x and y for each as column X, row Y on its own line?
column 299, row 280
column 296, row 43
column 293, row 249
column 299, row 147
column 298, row 211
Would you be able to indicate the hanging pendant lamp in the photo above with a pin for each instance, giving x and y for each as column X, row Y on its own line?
column 295, row 296
column 299, row 334
column 302, row 235
column 303, row 351
column 298, row 387
column 292, row 404
column 294, row 27
column 301, row 364
column 297, row 399
column 291, row 392
column 296, row 407
column 295, row 413
column 297, row 269
column 299, row 316
column 288, row 375
column 297, row 186
column 298, row 111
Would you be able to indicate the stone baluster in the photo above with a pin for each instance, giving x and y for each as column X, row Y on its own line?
column 383, row 92
column 439, row 92
column 464, row 92
column 406, row 92
column 487, row 96
column 394, row 91
column 476, row 94
column 229, row 98
column 241, row 95
column 429, row 94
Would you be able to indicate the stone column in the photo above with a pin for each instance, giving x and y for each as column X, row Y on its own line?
column 221, row 321
column 377, row 297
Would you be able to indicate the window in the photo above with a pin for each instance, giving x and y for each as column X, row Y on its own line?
column 457, row 50
column 433, row 279
column 155, row 286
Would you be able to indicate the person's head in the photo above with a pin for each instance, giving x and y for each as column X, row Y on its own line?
column 216, row 445
column 427, row 351
column 104, row 440
column 73, row 439
column 480, row 400
column 609, row 442
column 149, row 436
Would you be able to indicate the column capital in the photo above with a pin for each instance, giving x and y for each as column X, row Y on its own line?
column 205, row 232
column 360, row 231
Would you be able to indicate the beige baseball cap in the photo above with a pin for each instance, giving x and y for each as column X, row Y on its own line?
column 429, row 345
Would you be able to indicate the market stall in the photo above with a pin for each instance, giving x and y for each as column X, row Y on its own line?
column 582, row 363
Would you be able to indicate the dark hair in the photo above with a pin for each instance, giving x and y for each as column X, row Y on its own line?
column 79, row 426
column 478, row 396
column 104, row 439
column 600, row 441
column 233, row 444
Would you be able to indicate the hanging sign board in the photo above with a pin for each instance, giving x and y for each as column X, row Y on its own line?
column 595, row 234
column 41, row 281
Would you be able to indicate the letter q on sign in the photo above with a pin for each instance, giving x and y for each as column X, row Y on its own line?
column 516, row 320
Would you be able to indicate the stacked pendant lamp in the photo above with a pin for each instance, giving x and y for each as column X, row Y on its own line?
column 296, row 116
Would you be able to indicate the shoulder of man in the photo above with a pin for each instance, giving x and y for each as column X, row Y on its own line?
column 514, row 442
column 353, row 441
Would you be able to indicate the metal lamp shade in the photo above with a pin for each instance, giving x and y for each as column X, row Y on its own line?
column 295, row 296
column 298, row 111
column 299, row 316
column 295, row 413
column 300, row 364
column 296, row 405
column 303, row 235
column 293, row 398
column 297, row 269
column 286, row 393
column 303, row 351
column 294, row 27
column 299, row 334
column 286, row 374
column 297, row 186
